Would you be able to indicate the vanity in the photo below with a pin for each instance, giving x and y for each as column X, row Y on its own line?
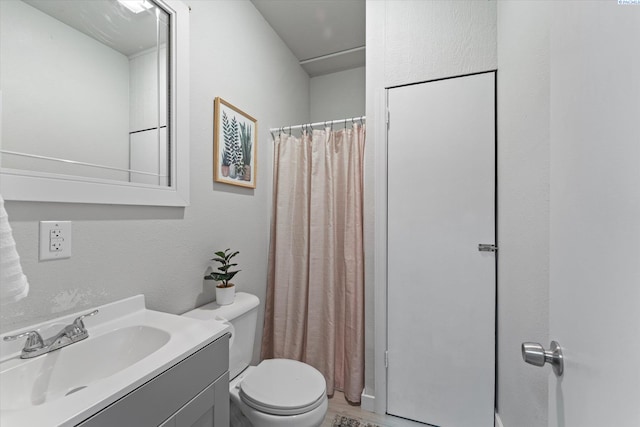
column 138, row 367
column 194, row 392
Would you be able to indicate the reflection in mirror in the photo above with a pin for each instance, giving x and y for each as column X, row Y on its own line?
column 84, row 88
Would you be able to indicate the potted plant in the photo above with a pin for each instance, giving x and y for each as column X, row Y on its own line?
column 225, row 290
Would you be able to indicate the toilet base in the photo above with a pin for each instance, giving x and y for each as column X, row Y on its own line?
column 313, row 418
column 236, row 417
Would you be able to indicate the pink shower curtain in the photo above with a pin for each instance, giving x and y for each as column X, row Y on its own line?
column 315, row 287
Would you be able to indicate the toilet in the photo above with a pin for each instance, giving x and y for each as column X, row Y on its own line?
column 277, row 392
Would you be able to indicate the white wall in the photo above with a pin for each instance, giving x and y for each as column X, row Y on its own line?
column 425, row 40
column 86, row 81
column 163, row 253
column 338, row 95
column 407, row 42
column 523, row 212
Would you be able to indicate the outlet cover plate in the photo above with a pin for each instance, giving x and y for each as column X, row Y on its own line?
column 55, row 240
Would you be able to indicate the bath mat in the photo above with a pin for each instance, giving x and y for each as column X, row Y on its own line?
column 342, row 421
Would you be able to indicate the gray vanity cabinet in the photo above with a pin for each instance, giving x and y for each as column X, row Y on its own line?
column 204, row 409
column 192, row 393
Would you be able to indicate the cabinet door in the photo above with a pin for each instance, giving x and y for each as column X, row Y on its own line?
column 207, row 409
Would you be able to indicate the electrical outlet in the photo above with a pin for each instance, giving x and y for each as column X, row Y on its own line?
column 55, row 240
column 56, row 245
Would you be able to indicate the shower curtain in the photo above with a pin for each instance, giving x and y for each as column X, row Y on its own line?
column 315, row 287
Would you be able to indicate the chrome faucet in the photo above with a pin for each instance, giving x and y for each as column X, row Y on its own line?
column 35, row 345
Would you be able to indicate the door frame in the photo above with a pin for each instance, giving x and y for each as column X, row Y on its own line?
column 380, row 131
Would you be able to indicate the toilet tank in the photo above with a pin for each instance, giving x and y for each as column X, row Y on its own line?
column 242, row 314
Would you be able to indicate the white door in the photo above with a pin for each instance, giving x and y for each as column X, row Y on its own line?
column 441, row 288
column 595, row 213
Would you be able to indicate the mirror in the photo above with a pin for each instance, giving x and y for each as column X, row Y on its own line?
column 88, row 92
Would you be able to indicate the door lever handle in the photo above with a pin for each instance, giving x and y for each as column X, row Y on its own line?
column 534, row 354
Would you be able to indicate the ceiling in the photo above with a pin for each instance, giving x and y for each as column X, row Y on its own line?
column 326, row 36
column 108, row 22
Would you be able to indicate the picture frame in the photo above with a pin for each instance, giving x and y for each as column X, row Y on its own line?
column 235, row 149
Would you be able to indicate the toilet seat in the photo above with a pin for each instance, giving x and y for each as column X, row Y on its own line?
column 283, row 387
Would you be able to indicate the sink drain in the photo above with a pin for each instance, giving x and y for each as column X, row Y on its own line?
column 73, row 390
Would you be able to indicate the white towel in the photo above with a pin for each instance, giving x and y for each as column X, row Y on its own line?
column 13, row 283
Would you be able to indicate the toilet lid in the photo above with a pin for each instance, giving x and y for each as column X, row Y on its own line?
column 283, row 387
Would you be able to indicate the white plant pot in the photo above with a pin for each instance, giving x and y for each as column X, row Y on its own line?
column 225, row 296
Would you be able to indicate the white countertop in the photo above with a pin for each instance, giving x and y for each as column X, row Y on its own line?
column 186, row 336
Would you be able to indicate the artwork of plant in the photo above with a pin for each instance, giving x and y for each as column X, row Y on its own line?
column 232, row 153
column 245, row 141
column 235, row 136
column 227, row 132
column 237, row 151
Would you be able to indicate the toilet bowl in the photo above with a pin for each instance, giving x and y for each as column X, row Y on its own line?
column 276, row 392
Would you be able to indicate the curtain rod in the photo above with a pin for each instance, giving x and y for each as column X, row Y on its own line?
column 311, row 125
column 332, row 55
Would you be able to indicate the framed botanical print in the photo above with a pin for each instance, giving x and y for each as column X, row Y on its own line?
column 235, row 153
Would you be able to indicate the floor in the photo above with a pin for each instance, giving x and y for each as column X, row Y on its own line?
column 339, row 406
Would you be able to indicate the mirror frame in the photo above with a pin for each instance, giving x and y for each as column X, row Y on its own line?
column 26, row 185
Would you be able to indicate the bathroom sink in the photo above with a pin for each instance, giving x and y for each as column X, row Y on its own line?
column 61, row 373
column 127, row 346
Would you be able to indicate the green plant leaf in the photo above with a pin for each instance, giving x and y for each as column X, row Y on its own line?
column 223, row 274
column 218, row 276
column 227, row 132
